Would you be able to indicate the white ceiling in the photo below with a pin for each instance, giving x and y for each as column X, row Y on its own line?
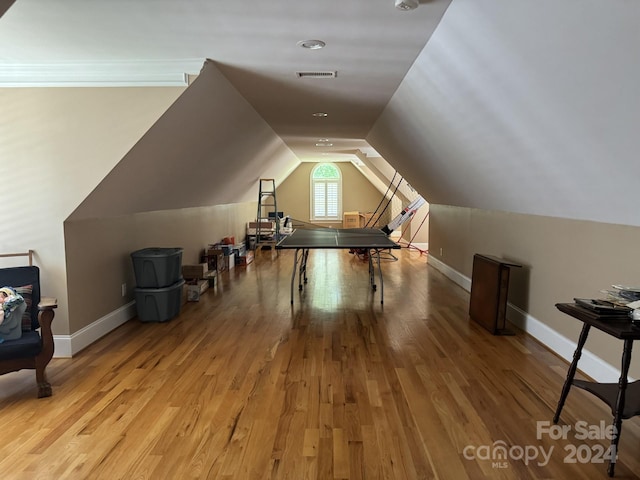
column 369, row 43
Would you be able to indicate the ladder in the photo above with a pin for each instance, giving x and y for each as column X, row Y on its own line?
column 266, row 233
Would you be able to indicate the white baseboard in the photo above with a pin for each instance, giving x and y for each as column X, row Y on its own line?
column 68, row 345
column 590, row 364
column 457, row 277
column 422, row 246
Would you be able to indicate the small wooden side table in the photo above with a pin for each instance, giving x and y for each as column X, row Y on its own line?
column 623, row 397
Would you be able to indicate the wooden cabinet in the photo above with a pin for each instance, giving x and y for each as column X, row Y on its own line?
column 489, row 292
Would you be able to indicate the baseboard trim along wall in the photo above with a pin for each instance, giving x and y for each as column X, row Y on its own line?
column 68, row 345
column 590, row 364
column 457, row 277
column 422, row 246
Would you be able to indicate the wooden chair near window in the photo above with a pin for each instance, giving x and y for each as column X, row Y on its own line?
column 34, row 347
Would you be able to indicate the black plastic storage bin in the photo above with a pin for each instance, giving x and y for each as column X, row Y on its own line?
column 159, row 304
column 157, row 267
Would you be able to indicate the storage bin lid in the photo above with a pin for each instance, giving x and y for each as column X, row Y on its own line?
column 158, row 291
column 156, row 252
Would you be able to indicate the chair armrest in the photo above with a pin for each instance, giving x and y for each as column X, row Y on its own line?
column 45, row 318
column 47, row 303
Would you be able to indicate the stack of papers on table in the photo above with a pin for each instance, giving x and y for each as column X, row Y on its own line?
column 603, row 307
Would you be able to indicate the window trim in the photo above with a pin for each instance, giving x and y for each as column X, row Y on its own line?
column 313, row 181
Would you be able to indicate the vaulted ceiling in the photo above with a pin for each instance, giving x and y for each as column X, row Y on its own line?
column 521, row 106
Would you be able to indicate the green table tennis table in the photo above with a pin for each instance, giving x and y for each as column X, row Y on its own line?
column 370, row 240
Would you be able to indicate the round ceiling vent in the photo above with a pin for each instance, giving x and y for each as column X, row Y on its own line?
column 311, row 44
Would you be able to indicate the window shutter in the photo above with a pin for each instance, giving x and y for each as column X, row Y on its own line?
column 319, row 203
column 332, row 199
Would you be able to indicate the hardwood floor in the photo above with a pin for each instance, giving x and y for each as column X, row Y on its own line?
column 244, row 386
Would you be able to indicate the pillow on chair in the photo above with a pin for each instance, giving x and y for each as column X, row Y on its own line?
column 27, row 293
column 11, row 328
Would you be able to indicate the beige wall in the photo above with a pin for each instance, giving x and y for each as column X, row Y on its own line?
column 562, row 259
column 56, row 144
column 358, row 194
column 99, row 251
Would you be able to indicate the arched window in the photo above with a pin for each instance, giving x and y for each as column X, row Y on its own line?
column 326, row 192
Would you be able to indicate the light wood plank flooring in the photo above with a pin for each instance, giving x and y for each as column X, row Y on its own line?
column 244, row 386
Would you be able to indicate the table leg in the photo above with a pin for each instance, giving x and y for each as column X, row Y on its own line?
column 293, row 275
column 302, row 276
column 372, row 278
column 572, row 371
column 619, row 408
column 380, row 274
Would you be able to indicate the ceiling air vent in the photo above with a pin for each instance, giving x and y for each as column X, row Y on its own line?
column 333, row 74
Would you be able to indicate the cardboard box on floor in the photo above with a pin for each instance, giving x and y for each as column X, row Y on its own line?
column 352, row 220
column 230, row 261
column 215, row 259
column 195, row 272
column 246, row 259
column 369, row 220
column 195, row 290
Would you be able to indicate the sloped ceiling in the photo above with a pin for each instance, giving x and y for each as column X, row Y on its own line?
column 528, row 107
column 209, row 148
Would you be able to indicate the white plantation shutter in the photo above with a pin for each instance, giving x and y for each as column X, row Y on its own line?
column 331, row 199
column 326, row 189
column 319, row 204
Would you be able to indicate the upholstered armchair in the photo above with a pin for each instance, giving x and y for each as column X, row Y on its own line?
column 34, row 347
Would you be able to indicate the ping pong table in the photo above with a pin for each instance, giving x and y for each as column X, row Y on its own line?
column 371, row 240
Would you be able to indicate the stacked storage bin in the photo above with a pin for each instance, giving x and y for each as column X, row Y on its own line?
column 159, row 282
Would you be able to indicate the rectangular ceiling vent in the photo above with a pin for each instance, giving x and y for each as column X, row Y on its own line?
column 333, row 74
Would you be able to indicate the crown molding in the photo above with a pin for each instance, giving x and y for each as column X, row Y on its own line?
column 142, row 73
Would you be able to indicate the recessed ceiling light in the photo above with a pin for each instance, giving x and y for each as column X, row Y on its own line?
column 323, row 139
column 320, row 114
column 407, row 4
column 323, row 144
column 311, row 44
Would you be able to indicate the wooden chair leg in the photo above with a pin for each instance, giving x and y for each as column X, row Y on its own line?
column 44, row 390
column 44, row 387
